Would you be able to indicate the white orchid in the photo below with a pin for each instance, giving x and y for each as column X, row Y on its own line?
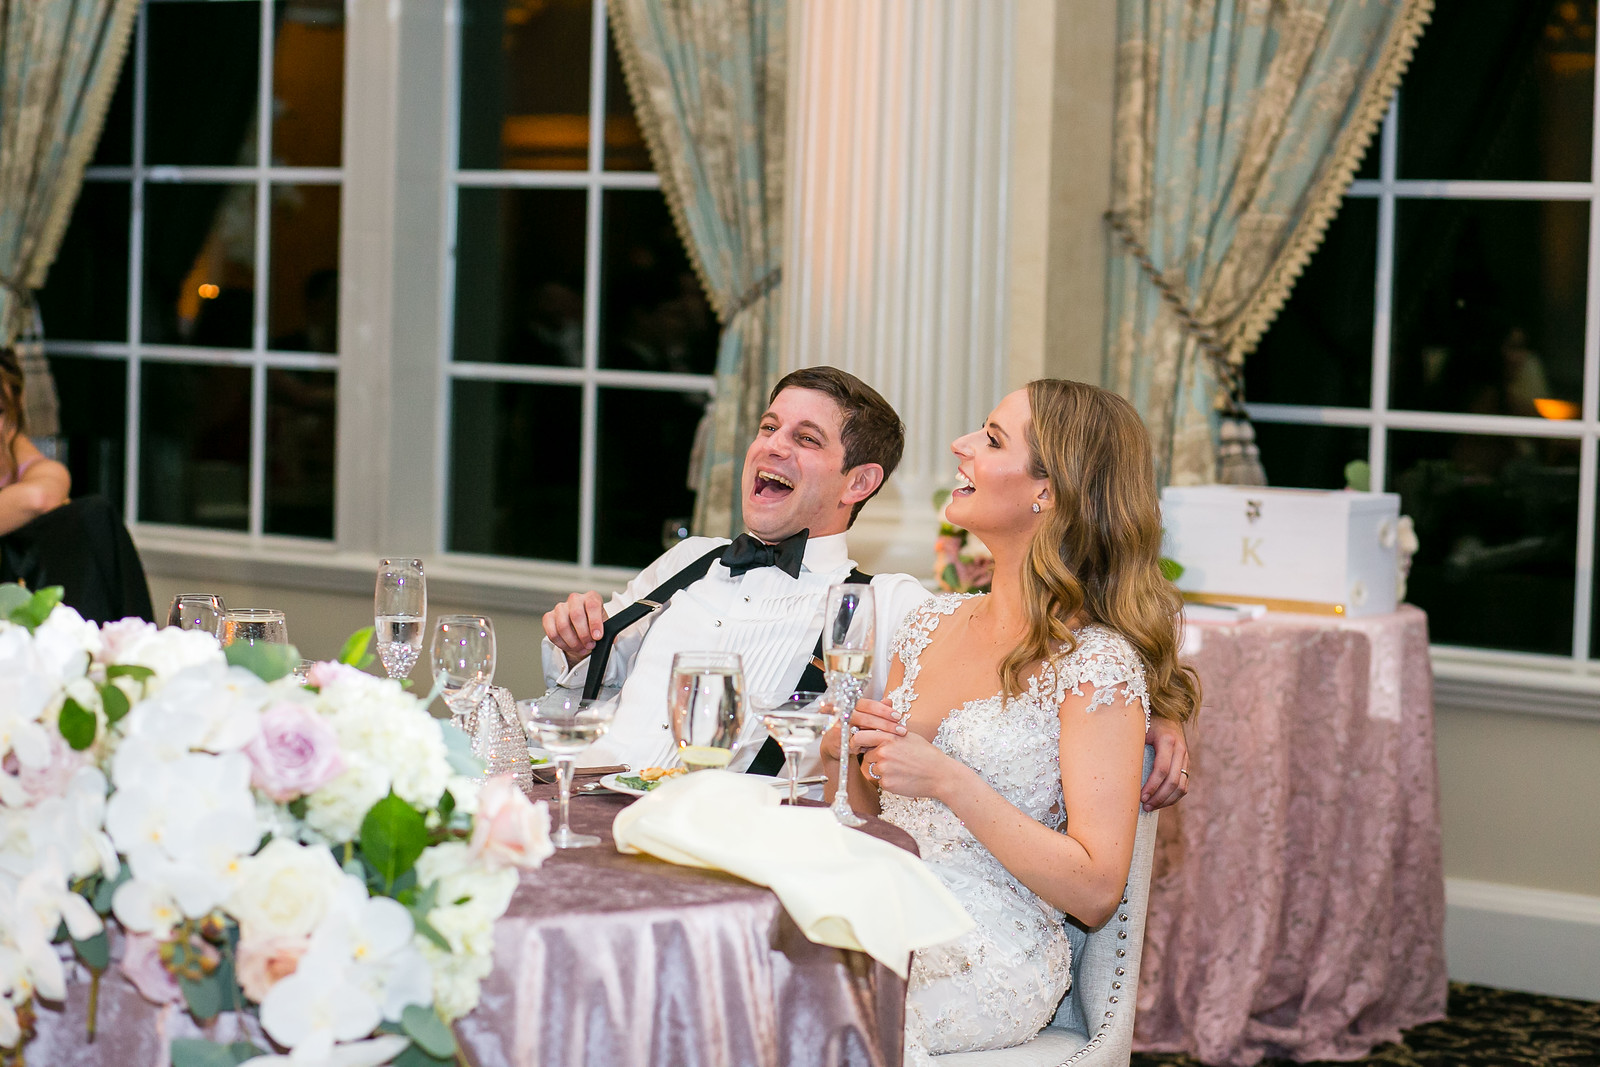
column 30, row 912
column 372, row 938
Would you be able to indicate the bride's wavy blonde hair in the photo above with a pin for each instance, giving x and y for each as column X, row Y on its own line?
column 1097, row 552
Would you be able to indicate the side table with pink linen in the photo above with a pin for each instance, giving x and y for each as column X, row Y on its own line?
column 1297, row 905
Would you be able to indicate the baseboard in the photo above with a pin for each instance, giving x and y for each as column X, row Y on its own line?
column 1532, row 940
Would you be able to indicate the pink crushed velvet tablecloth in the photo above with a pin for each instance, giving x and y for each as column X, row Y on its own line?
column 1297, row 902
column 605, row 960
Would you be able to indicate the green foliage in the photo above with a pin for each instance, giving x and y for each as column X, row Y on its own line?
column 447, row 804
column 458, row 749
column 1171, row 569
column 267, row 662
column 416, row 1056
column 209, row 995
column 393, row 835
column 129, row 670
column 357, row 651
column 114, row 701
column 1358, row 475
column 949, row 577
column 77, row 724
column 419, row 902
column 95, row 952
column 424, row 1026
column 198, row 1052
column 28, row 609
column 101, row 898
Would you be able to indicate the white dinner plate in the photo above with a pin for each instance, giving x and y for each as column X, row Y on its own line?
column 610, row 782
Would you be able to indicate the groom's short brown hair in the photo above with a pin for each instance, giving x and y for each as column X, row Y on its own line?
column 872, row 432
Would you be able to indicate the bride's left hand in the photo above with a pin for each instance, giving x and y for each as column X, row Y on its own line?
column 908, row 765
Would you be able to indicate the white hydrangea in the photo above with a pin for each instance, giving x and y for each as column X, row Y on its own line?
column 335, row 811
column 167, row 652
column 471, row 897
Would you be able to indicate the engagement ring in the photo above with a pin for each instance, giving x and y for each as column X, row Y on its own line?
column 872, row 772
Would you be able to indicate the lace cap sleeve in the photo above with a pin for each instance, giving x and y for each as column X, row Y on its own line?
column 1105, row 660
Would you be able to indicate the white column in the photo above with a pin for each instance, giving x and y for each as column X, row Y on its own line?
column 896, row 255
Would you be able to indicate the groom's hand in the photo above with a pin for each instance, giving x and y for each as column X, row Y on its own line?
column 575, row 624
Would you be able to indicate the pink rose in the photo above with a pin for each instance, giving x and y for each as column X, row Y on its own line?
column 117, row 637
column 296, row 753
column 52, row 779
column 510, row 830
column 327, row 672
column 263, row 962
column 141, row 965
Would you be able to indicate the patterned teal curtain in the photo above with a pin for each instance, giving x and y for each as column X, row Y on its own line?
column 1239, row 124
column 707, row 81
column 58, row 65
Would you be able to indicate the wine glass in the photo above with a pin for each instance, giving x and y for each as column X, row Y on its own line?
column 399, row 608
column 254, row 626
column 198, row 611
column 795, row 721
column 705, row 701
column 847, row 642
column 463, row 665
column 565, row 724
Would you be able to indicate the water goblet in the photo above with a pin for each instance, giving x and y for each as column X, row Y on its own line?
column 705, row 702
column 564, row 724
column 795, row 721
column 463, row 654
column 399, row 609
column 848, row 631
column 198, row 611
column 254, row 626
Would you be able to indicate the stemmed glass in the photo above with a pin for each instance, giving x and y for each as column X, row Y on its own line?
column 198, row 611
column 847, row 642
column 705, row 702
column 254, row 626
column 564, row 724
column 463, row 666
column 400, row 608
column 795, row 720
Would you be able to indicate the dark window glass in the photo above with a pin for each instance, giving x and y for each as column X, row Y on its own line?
column 1501, row 90
column 94, row 419
column 639, row 490
column 525, row 84
column 194, row 445
column 653, row 313
column 514, row 469
column 300, row 452
column 519, row 276
column 1309, row 457
column 85, row 297
column 1319, row 348
column 1497, row 521
column 199, row 263
column 308, row 83
column 115, row 148
column 1488, row 305
column 303, row 289
column 625, row 147
column 1372, row 161
column 202, row 83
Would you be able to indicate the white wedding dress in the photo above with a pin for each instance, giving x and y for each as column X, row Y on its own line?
column 999, row 984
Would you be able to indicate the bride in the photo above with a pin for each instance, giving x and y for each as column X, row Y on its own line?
column 1011, row 737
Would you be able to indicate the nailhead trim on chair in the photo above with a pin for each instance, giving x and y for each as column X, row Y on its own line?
column 1100, row 1031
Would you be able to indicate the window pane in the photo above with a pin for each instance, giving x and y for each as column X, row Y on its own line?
column 300, row 452
column 308, row 83
column 514, row 469
column 653, row 314
column 525, row 84
column 1488, row 305
column 625, row 147
column 1497, row 519
column 637, row 490
column 85, row 297
column 201, row 83
column 519, row 276
column 194, row 445
column 94, row 418
column 1319, row 349
column 1309, row 457
column 1501, row 91
column 115, row 148
column 303, row 290
column 199, row 263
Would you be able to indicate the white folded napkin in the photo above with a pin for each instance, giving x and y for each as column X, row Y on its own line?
column 841, row 887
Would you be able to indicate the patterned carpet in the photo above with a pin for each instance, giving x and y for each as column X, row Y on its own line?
column 1487, row 1028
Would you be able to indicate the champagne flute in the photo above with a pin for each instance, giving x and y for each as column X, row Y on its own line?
column 198, row 611
column 705, row 701
column 254, row 626
column 463, row 666
column 400, row 608
column 847, row 642
column 795, row 721
column 565, row 724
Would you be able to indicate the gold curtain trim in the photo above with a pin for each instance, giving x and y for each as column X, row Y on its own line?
column 119, row 32
column 655, row 143
column 1328, row 194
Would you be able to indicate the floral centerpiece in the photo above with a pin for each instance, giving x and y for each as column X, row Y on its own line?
column 320, row 859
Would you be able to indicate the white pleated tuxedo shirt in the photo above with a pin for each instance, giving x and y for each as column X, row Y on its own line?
column 769, row 618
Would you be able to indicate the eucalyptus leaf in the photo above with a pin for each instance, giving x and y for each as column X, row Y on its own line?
column 458, row 750
column 95, row 952
column 12, row 596
column 108, row 889
column 429, row 931
column 198, row 1052
column 265, row 661
column 416, row 1056
column 423, row 1025
column 77, row 724
column 393, row 835
column 206, row 997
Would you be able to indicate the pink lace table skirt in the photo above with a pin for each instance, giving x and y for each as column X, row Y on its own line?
column 1297, row 905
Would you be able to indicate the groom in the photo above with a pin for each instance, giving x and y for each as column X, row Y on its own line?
column 824, row 447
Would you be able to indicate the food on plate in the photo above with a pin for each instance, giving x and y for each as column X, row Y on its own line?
column 650, row 777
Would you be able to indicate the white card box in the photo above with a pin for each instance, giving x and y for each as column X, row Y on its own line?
column 1303, row 550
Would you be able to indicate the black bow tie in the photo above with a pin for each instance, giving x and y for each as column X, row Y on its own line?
column 747, row 553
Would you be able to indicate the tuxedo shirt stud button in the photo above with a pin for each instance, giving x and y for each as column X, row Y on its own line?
column 716, row 622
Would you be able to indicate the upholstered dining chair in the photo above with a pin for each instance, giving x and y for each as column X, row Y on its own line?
column 1093, row 1026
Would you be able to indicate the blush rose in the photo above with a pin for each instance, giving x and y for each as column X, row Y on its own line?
column 295, row 753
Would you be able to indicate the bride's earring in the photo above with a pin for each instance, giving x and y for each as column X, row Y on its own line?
column 1036, row 508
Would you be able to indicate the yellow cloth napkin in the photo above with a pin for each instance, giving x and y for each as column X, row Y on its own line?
column 841, row 887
